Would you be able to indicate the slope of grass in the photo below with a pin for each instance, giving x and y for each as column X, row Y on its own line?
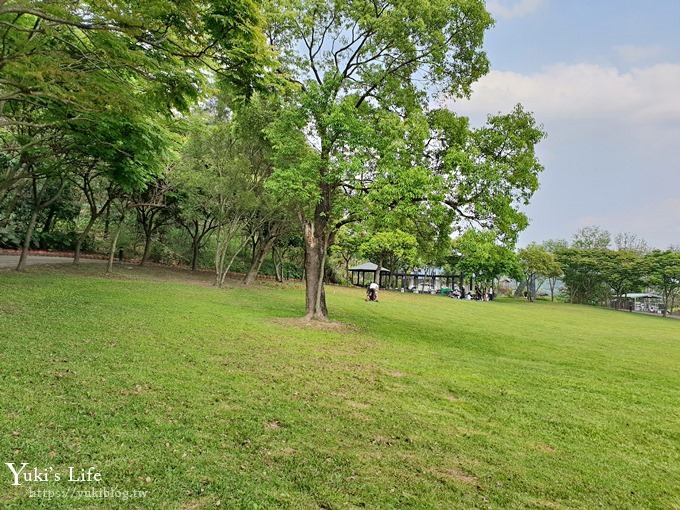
column 205, row 398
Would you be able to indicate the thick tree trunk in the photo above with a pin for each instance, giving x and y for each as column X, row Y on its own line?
column 195, row 248
column 148, row 237
column 316, row 245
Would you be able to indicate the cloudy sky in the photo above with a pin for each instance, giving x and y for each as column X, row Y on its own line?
column 603, row 77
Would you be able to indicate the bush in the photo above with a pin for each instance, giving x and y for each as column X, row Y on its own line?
column 55, row 240
column 9, row 237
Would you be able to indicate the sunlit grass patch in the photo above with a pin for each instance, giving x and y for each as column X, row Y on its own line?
column 201, row 397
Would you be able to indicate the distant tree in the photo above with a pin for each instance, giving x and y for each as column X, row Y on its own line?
column 553, row 273
column 288, row 255
column 45, row 189
column 98, row 192
column 663, row 270
column 153, row 212
column 480, row 254
column 192, row 185
column 535, row 261
column 623, row 271
column 583, row 275
column 627, row 241
column 592, row 237
column 121, row 204
column 554, row 245
column 393, row 244
column 213, row 152
column 347, row 247
column 271, row 218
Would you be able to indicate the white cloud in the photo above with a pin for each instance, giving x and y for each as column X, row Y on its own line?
column 509, row 9
column 582, row 92
column 612, row 140
column 636, row 54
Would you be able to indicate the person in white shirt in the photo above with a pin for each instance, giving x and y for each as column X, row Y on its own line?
column 372, row 292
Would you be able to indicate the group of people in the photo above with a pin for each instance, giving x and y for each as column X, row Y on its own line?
column 478, row 295
column 456, row 293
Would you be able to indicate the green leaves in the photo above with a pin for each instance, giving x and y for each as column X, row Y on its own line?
column 489, row 172
column 480, row 254
column 396, row 245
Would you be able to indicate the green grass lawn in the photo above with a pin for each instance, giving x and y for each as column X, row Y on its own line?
column 206, row 398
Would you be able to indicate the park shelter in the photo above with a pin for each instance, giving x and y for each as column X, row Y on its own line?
column 643, row 302
column 359, row 273
column 419, row 280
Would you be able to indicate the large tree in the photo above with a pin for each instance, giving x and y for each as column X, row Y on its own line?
column 364, row 70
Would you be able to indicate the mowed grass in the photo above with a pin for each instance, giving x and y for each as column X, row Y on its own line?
column 207, row 398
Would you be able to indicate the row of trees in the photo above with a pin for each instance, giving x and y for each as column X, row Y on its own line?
column 589, row 268
column 248, row 124
column 90, row 92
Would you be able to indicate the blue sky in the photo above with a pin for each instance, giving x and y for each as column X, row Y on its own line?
column 603, row 77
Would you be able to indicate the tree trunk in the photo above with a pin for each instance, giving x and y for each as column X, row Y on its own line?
column 553, row 282
column 37, row 206
column 107, row 220
column 47, row 227
column 258, row 260
column 316, row 245
column 376, row 275
column 278, row 265
column 114, row 242
column 112, row 252
column 21, row 266
column 81, row 238
column 148, row 237
column 195, row 248
column 49, row 221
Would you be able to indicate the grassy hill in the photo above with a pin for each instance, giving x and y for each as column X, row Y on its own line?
column 183, row 396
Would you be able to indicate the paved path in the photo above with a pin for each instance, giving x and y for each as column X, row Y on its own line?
column 12, row 260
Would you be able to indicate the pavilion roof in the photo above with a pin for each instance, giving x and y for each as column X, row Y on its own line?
column 369, row 266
